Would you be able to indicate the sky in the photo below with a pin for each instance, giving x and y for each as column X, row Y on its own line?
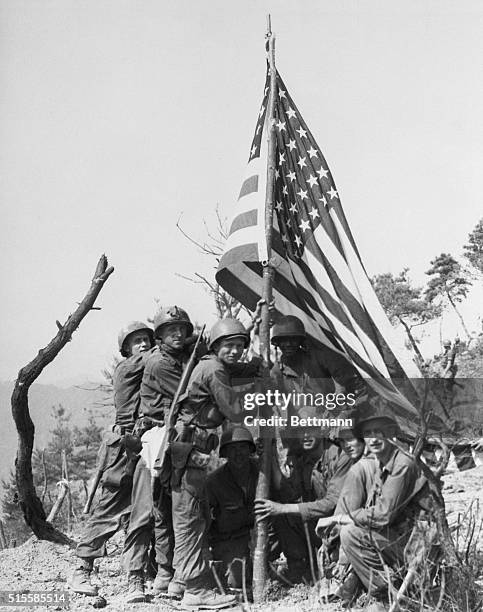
column 117, row 118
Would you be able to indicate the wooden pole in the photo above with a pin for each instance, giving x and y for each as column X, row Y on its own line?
column 263, row 486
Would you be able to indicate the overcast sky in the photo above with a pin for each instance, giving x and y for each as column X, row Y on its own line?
column 116, row 117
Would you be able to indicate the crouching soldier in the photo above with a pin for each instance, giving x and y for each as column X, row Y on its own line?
column 209, row 401
column 120, row 449
column 311, row 491
column 385, row 493
column 231, row 495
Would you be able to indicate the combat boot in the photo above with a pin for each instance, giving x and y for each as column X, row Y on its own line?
column 206, row 599
column 176, row 589
column 80, row 581
column 135, row 588
column 161, row 583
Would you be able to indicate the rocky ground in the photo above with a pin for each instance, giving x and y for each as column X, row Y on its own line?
column 42, row 566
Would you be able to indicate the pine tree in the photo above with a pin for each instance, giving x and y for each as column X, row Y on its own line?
column 448, row 282
column 474, row 248
column 403, row 304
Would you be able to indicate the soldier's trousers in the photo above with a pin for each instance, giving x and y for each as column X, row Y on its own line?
column 148, row 516
column 191, row 519
column 364, row 549
column 290, row 533
column 109, row 515
column 230, row 553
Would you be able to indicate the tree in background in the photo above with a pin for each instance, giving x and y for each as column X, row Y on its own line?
column 474, row 248
column 404, row 304
column 70, row 454
column 449, row 283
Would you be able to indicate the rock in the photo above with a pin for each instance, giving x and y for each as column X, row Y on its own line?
column 99, row 602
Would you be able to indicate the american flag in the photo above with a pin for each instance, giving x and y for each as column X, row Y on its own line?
column 318, row 272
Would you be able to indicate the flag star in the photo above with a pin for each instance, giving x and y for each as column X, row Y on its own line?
column 277, row 173
column 262, row 110
column 293, row 208
column 284, row 238
column 265, row 92
column 281, row 158
column 333, row 193
column 291, row 176
column 301, row 132
column 322, row 172
column 288, row 223
column 312, row 180
column 253, row 151
column 312, row 152
column 258, row 129
column 291, row 113
column 323, row 200
column 298, row 241
column 278, row 206
column 304, row 225
column 301, row 162
column 281, row 94
column 314, row 213
column 281, row 126
column 285, row 190
column 302, row 194
column 292, row 145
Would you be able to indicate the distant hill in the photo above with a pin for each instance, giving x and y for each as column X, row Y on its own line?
column 77, row 401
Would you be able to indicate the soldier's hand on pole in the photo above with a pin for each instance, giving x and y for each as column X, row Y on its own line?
column 266, row 507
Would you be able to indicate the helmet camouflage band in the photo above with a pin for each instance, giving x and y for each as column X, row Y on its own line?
column 129, row 329
column 227, row 328
column 172, row 314
column 288, row 327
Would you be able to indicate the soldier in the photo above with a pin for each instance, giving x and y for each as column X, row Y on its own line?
column 386, row 491
column 113, row 508
column 312, row 491
column 231, row 495
column 209, row 401
column 305, row 369
column 162, row 373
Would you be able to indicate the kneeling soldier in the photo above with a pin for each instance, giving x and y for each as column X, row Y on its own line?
column 231, row 495
column 114, row 505
column 387, row 493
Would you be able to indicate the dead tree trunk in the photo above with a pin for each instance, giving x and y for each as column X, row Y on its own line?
column 31, row 505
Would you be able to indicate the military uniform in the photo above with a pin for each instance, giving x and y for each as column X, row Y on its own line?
column 162, row 373
column 210, row 400
column 114, row 505
column 232, row 504
column 383, row 503
column 315, row 485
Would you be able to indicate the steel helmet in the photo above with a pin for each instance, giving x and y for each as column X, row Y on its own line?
column 289, row 326
column 172, row 314
column 236, row 434
column 130, row 328
column 226, row 328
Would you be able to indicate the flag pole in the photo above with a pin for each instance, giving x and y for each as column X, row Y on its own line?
column 263, row 486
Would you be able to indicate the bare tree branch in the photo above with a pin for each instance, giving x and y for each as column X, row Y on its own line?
column 30, row 504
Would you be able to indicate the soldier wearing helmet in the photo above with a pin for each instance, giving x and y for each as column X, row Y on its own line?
column 302, row 368
column 310, row 491
column 231, row 494
column 210, row 400
column 383, row 495
column 162, row 373
column 113, row 508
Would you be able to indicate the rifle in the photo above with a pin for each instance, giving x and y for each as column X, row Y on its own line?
column 101, row 465
column 173, row 409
